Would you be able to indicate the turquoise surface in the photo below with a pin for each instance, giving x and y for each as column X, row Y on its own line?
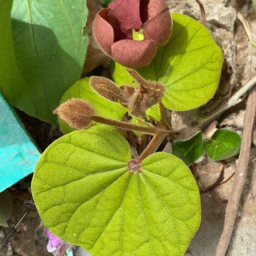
column 18, row 155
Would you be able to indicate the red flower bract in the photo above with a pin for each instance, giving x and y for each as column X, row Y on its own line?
column 113, row 30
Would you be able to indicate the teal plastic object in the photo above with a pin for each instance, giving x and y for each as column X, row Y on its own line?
column 18, row 155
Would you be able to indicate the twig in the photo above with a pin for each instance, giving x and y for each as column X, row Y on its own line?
column 15, row 227
column 246, row 28
column 240, row 176
column 203, row 15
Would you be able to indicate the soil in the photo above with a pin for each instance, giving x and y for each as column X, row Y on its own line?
column 239, row 62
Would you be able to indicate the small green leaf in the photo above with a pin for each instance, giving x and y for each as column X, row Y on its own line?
column 254, row 45
column 189, row 150
column 42, row 54
column 82, row 90
column 86, row 195
column 6, row 208
column 223, row 144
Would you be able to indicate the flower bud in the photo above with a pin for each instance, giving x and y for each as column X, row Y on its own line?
column 114, row 28
column 76, row 112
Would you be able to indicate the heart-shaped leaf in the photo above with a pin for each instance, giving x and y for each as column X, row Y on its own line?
column 189, row 65
column 189, row 150
column 103, row 107
column 223, row 144
column 87, row 195
column 18, row 155
column 43, row 54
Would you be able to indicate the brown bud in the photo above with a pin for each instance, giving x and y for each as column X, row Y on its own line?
column 137, row 100
column 106, row 88
column 76, row 112
column 146, row 95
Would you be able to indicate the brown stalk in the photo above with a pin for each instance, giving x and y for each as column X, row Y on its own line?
column 129, row 126
column 240, row 176
column 152, row 146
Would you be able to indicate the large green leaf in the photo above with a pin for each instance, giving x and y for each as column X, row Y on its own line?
column 223, row 144
column 189, row 65
column 86, row 195
column 44, row 55
column 81, row 89
column 189, row 150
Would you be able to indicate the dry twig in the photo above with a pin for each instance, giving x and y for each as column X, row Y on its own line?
column 203, row 15
column 240, row 176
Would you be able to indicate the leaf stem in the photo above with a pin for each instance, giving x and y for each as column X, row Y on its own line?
column 152, row 146
column 129, row 126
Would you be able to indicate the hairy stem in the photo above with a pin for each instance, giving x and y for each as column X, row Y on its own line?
column 152, row 146
column 129, row 126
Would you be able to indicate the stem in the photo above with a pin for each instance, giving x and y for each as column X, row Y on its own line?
column 129, row 126
column 164, row 116
column 152, row 146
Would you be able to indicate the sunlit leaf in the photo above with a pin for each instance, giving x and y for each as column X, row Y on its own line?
column 189, row 65
column 86, row 195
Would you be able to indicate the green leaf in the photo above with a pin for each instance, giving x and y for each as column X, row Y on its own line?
column 154, row 112
column 82, row 90
column 189, row 65
column 120, row 74
column 190, row 150
column 43, row 55
column 223, row 144
column 86, row 195
column 6, row 207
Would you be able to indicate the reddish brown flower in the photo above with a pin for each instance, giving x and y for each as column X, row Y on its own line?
column 113, row 29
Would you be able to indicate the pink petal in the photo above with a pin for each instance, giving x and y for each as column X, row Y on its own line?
column 134, row 54
column 155, row 7
column 124, row 16
column 159, row 28
column 53, row 242
column 103, row 31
